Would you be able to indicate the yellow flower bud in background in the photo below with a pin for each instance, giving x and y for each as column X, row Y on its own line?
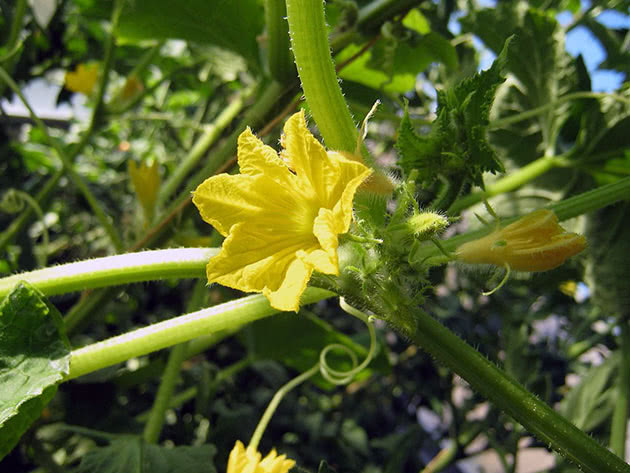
column 535, row 242
column 82, row 79
column 146, row 183
column 247, row 460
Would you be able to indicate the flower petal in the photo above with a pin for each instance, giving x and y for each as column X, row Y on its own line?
column 308, row 158
column 287, row 296
column 255, row 157
column 257, row 260
column 224, row 201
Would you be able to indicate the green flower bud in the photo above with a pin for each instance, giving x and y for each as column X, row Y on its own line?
column 426, row 224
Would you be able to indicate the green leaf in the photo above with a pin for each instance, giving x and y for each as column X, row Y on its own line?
column 456, row 144
column 297, row 340
column 592, row 401
column 393, row 65
column 543, row 70
column 130, row 454
column 34, row 357
column 231, row 24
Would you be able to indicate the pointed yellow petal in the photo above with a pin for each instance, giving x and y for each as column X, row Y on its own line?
column 225, row 200
column 308, row 158
column 352, row 175
column 255, row 157
column 326, row 229
column 287, row 296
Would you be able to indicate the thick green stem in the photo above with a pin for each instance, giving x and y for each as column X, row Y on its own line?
column 309, row 39
column 115, row 270
column 279, row 57
column 619, row 425
column 154, row 424
column 506, row 184
column 177, row 330
column 207, row 139
column 507, row 394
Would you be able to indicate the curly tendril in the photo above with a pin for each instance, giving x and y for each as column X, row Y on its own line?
column 336, row 377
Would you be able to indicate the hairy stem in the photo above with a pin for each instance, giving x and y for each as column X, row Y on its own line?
column 309, row 40
column 115, row 270
column 507, row 394
column 508, row 183
column 177, row 330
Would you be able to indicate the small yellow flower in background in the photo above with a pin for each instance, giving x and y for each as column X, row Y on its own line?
column 82, row 79
column 133, row 86
column 247, row 460
column 535, row 242
column 146, row 183
column 282, row 215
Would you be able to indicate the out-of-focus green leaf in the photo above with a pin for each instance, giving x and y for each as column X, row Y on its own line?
column 130, row 454
column 34, row 357
column 456, row 144
column 392, row 65
column 591, row 401
column 414, row 20
column 608, row 235
column 231, row 24
column 542, row 67
column 297, row 340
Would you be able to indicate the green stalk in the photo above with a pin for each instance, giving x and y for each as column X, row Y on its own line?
column 309, row 40
column 205, row 141
column 176, row 330
column 619, row 425
column 115, row 270
column 154, row 424
column 508, row 183
column 507, row 394
column 279, row 57
column 510, row 120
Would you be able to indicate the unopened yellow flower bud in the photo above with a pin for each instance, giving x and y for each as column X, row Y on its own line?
column 146, row 183
column 535, row 242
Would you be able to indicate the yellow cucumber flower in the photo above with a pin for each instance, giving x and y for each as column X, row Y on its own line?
column 247, row 460
column 82, row 79
column 281, row 215
column 535, row 242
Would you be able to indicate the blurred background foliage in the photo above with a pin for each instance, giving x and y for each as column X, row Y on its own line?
column 183, row 80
